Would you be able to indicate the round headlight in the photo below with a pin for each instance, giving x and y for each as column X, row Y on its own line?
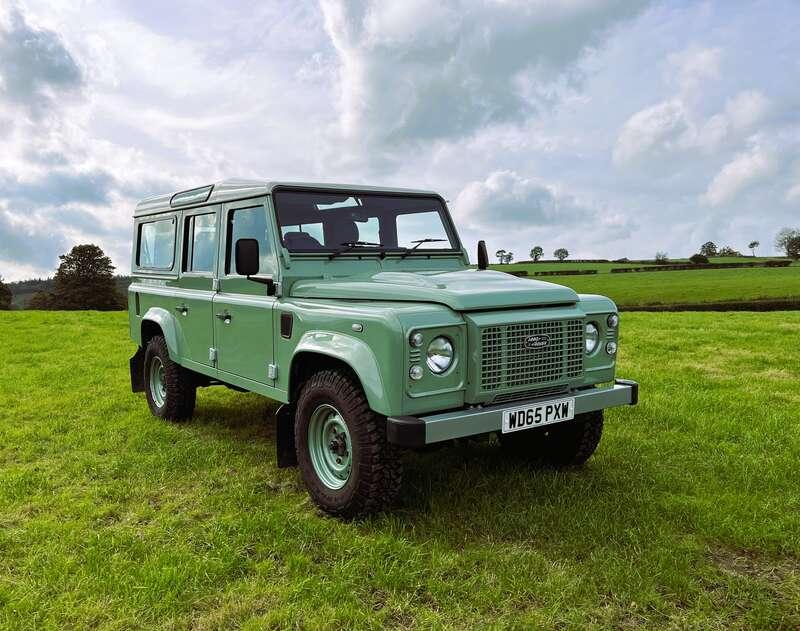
column 440, row 355
column 592, row 337
column 612, row 321
column 416, row 339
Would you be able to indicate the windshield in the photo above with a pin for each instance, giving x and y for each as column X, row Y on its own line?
column 333, row 222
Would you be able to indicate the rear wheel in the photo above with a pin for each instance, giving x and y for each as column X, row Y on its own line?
column 566, row 444
column 170, row 388
column 347, row 465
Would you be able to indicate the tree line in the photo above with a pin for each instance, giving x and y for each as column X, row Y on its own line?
column 787, row 240
column 84, row 280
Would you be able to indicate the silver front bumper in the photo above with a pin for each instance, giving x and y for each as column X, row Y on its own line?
column 412, row 431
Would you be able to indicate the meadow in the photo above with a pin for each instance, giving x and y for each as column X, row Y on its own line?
column 696, row 286
column 688, row 515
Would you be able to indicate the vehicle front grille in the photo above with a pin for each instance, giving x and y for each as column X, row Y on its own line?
column 506, row 363
column 532, row 393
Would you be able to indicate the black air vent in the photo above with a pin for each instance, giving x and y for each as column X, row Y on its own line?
column 286, row 325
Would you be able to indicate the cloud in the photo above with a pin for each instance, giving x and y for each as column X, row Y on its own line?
column 413, row 70
column 745, row 170
column 652, row 132
column 57, row 188
column 35, row 66
column 508, row 199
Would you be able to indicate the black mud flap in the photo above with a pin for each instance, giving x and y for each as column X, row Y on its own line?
column 136, row 364
column 284, row 437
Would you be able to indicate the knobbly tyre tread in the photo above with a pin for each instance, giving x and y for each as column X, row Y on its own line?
column 181, row 389
column 568, row 444
column 377, row 471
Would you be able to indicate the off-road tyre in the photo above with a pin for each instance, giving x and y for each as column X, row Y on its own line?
column 567, row 444
column 178, row 396
column 376, row 469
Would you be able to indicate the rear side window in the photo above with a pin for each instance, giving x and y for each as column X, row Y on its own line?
column 201, row 233
column 249, row 223
column 156, row 248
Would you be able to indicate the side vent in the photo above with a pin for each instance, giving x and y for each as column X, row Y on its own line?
column 136, row 303
column 287, row 320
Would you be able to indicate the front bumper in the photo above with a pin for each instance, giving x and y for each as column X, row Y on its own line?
column 411, row 431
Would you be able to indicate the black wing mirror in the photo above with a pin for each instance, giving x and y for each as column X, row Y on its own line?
column 483, row 255
column 248, row 261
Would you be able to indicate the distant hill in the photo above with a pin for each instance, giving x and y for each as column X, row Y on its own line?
column 24, row 290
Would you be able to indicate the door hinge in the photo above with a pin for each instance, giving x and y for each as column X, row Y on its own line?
column 272, row 371
column 212, row 355
column 215, row 284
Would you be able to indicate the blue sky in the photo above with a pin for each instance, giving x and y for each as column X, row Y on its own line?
column 613, row 128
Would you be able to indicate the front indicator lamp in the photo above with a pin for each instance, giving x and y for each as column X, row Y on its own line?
column 592, row 337
column 440, row 355
column 611, row 348
column 612, row 321
column 415, row 372
column 416, row 339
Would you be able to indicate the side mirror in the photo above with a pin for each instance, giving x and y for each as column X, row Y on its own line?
column 247, row 259
column 483, row 256
column 248, row 262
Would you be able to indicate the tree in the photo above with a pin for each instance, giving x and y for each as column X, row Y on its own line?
column 709, row 248
column 793, row 247
column 698, row 259
column 561, row 253
column 752, row 246
column 5, row 296
column 785, row 238
column 501, row 256
column 41, row 300
column 662, row 258
column 509, row 257
column 84, row 280
column 727, row 250
column 536, row 253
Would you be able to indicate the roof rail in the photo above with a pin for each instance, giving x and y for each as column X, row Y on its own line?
column 192, row 196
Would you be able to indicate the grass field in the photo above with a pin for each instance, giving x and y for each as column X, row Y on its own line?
column 605, row 268
column 688, row 516
column 649, row 288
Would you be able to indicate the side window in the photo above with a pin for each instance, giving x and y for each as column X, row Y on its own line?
column 249, row 223
column 200, row 243
column 156, row 247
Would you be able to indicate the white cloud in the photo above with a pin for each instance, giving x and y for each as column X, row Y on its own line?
column 652, row 131
column 745, row 170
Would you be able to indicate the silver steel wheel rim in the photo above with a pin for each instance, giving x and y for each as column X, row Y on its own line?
column 158, row 382
column 329, row 446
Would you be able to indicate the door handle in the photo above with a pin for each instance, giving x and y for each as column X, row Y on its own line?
column 183, row 309
column 225, row 317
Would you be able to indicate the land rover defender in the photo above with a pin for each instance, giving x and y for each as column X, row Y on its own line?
column 357, row 309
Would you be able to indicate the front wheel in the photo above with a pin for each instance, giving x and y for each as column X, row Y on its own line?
column 347, row 465
column 566, row 444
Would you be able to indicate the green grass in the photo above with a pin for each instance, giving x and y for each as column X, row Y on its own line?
column 688, row 516
column 649, row 288
column 605, row 268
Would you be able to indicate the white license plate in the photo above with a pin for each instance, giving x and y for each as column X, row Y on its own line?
column 537, row 415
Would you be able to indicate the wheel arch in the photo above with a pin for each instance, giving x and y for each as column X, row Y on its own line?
column 323, row 351
column 158, row 321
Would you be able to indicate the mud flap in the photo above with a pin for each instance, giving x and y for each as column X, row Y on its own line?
column 284, row 437
column 136, row 364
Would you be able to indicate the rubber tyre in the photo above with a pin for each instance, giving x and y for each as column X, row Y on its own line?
column 376, row 469
column 181, row 391
column 568, row 444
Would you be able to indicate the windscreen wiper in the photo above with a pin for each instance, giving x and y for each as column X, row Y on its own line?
column 419, row 242
column 347, row 246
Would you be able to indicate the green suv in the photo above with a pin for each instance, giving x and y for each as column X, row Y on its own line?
column 357, row 309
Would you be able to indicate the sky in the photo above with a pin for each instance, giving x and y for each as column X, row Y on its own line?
column 614, row 128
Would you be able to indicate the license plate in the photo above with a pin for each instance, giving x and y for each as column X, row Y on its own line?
column 538, row 415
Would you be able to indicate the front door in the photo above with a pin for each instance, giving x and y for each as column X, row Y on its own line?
column 192, row 302
column 243, row 313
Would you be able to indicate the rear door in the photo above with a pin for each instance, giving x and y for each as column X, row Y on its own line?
column 193, row 301
column 243, row 313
